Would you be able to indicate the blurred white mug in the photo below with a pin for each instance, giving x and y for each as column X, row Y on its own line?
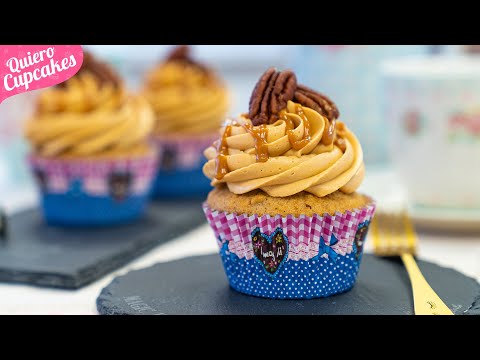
column 14, row 171
column 433, row 104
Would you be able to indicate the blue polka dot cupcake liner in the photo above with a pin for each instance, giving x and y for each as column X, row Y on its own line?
column 180, row 166
column 93, row 192
column 291, row 257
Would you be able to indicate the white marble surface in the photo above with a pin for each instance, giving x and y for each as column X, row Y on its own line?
column 461, row 252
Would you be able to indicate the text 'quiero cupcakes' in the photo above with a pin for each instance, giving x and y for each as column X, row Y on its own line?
column 190, row 102
column 285, row 211
column 90, row 151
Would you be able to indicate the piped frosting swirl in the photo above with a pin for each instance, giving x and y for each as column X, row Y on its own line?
column 298, row 149
column 91, row 114
column 187, row 97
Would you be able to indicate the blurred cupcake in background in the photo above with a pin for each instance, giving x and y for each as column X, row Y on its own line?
column 91, row 154
column 190, row 101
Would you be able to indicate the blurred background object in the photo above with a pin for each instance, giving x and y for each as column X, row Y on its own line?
column 433, row 104
column 239, row 65
column 190, row 101
column 350, row 75
column 13, row 148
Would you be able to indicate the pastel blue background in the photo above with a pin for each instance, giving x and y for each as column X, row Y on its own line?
column 351, row 77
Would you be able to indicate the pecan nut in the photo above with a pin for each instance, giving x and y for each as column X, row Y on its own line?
column 183, row 54
column 316, row 101
column 102, row 71
column 270, row 95
column 180, row 52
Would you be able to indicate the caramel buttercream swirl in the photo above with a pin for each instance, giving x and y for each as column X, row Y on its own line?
column 299, row 159
column 88, row 117
column 186, row 98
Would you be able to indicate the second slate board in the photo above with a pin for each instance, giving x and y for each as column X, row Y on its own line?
column 37, row 254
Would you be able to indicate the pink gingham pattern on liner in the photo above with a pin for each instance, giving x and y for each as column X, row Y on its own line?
column 303, row 232
column 94, row 173
column 188, row 150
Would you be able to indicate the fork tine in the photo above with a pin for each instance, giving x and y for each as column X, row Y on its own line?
column 411, row 235
column 393, row 234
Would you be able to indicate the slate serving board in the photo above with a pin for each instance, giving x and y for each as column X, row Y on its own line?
column 37, row 254
column 198, row 285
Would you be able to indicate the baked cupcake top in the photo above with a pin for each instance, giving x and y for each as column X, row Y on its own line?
column 290, row 141
column 187, row 97
column 91, row 114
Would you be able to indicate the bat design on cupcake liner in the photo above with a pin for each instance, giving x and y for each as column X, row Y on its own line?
column 169, row 158
column 119, row 185
column 359, row 240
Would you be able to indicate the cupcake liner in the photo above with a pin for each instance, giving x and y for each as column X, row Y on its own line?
column 180, row 166
column 93, row 192
column 291, row 257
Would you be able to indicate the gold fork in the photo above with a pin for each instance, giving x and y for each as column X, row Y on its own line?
column 393, row 235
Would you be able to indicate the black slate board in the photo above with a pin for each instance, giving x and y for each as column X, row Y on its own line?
column 42, row 255
column 198, row 285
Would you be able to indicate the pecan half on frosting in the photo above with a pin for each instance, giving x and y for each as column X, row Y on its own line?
column 316, row 101
column 270, row 95
column 102, row 71
column 180, row 52
column 183, row 53
column 275, row 88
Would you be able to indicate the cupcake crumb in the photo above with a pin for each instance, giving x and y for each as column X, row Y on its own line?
column 258, row 202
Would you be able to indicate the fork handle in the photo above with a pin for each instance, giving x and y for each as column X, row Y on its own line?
column 426, row 301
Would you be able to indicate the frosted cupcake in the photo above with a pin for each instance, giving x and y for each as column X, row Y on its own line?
column 285, row 211
column 90, row 151
column 190, row 102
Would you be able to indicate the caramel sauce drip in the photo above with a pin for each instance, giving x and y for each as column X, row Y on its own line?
column 221, row 164
column 329, row 135
column 341, row 144
column 297, row 144
column 341, row 132
column 259, row 135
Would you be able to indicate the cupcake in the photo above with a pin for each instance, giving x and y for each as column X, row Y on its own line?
column 91, row 154
column 284, row 208
column 190, row 102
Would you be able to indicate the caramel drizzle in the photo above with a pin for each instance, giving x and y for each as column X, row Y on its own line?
column 259, row 134
column 221, row 164
column 340, row 142
column 329, row 135
column 301, row 143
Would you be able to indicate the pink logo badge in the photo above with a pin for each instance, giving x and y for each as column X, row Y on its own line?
column 30, row 67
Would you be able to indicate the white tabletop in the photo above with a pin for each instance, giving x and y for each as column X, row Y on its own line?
column 461, row 252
